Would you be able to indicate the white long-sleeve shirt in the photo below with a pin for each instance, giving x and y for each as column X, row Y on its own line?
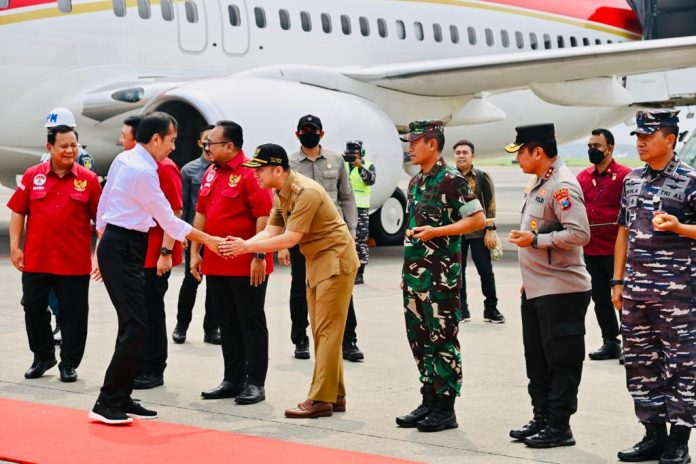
column 133, row 199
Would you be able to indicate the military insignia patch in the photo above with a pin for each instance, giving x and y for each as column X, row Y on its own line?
column 534, row 225
column 234, row 180
column 88, row 163
column 295, row 187
column 542, row 192
column 80, row 185
column 562, row 198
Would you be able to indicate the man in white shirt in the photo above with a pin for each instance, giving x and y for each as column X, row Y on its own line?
column 131, row 202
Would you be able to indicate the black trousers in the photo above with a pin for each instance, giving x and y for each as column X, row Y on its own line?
column 72, row 293
column 243, row 331
column 553, row 332
column 601, row 269
column 121, row 255
column 155, row 356
column 482, row 260
column 187, row 299
column 298, row 302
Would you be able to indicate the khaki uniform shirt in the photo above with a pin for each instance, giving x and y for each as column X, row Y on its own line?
column 554, row 207
column 304, row 206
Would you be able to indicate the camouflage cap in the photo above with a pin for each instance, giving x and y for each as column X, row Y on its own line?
column 268, row 154
column 418, row 129
column 649, row 122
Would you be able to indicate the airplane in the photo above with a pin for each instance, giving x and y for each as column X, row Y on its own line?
column 365, row 67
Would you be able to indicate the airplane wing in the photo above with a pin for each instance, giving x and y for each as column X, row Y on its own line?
column 490, row 73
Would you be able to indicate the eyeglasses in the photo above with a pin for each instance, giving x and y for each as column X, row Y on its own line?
column 208, row 143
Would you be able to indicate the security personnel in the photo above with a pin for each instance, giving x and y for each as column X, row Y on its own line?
column 441, row 207
column 304, row 214
column 655, row 288
column 362, row 176
column 556, row 286
column 56, row 196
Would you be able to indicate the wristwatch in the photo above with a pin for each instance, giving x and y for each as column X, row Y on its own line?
column 491, row 227
column 615, row 282
column 260, row 256
column 165, row 251
column 534, row 241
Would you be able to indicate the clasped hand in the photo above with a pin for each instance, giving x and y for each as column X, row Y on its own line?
column 232, row 247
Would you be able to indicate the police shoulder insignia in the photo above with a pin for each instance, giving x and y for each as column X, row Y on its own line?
column 548, row 174
column 561, row 196
column 296, row 187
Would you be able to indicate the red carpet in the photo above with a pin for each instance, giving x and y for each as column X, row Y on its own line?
column 41, row 434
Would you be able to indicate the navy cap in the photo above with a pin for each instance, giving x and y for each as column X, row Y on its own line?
column 532, row 133
column 353, row 146
column 268, row 154
column 418, row 129
column 309, row 120
column 649, row 122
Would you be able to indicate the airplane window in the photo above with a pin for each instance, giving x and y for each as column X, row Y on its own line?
column 573, row 42
column 345, row 24
column 472, row 35
column 260, row 15
column 609, row 41
column 454, row 34
column 119, row 8
column 505, row 38
column 547, row 42
column 326, row 23
column 306, row 21
column 191, row 11
column 364, row 26
column 144, row 9
column 167, row 10
column 65, row 6
column 585, row 41
column 418, row 28
column 235, row 17
column 489, row 37
column 284, row 17
column 437, row 32
column 561, row 41
column 400, row 29
column 382, row 27
column 519, row 38
column 4, row 4
column 598, row 41
column 533, row 42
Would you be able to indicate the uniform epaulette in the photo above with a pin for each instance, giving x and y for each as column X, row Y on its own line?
column 296, row 187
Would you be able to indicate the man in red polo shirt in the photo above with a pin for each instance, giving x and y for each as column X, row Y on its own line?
column 57, row 195
column 231, row 203
column 601, row 186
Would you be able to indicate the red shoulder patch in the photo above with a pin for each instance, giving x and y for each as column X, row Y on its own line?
column 562, row 198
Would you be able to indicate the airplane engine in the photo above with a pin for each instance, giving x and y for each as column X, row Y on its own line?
column 268, row 111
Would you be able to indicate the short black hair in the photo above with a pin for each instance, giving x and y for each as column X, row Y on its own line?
column 153, row 123
column 232, row 132
column 133, row 122
column 608, row 136
column 550, row 147
column 55, row 130
column 438, row 136
column 207, row 127
column 671, row 130
column 464, row 142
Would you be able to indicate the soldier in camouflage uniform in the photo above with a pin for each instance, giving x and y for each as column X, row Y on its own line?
column 440, row 208
column 654, row 286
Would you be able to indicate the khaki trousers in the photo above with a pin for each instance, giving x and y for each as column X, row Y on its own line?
column 327, row 304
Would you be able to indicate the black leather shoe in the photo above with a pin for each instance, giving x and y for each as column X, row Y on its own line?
column 610, row 349
column 532, row 427
column 360, row 277
column 677, row 454
column 67, row 374
column 551, row 437
column 38, row 368
column 302, row 349
column 145, row 382
column 251, row 394
column 213, row 337
column 351, row 352
column 493, row 316
column 179, row 334
column 649, row 448
column 411, row 419
column 224, row 390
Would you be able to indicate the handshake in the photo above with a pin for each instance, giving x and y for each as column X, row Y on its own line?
column 228, row 247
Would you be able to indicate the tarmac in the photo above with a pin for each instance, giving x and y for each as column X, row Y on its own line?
column 494, row 394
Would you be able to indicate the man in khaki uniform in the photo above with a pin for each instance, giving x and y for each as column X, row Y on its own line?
column 304, row 214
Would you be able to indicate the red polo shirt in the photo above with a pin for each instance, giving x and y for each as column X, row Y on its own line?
column 58, row 231
column 602, row 200
column 231, row 200
column 170, row 183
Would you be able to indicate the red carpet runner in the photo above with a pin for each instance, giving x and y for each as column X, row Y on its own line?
column 40, row 434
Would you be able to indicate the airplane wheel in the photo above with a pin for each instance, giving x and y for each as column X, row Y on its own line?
column 388, row 223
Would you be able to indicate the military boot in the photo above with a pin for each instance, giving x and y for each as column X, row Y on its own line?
column 441, row 417
column 534, row 426
column 650, row 447
column 359, row 277
column 677, row 449
column 610, row 349
column 411, row 419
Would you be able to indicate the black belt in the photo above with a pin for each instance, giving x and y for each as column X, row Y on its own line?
column 123, row 230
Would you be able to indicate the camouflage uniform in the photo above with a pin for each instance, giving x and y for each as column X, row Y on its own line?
column 658, row 319
column 432, row 275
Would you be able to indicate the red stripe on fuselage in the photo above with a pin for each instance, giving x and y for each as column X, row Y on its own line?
column 15, row 4
column 615, row 13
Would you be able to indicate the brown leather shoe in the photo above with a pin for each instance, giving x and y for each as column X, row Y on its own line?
column 340, row 404
column 310, row 409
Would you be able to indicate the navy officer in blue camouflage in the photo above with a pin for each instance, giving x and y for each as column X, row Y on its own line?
column 653, row 286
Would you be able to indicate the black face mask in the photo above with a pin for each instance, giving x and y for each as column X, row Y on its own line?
column 309, row 140
column 596, row 156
